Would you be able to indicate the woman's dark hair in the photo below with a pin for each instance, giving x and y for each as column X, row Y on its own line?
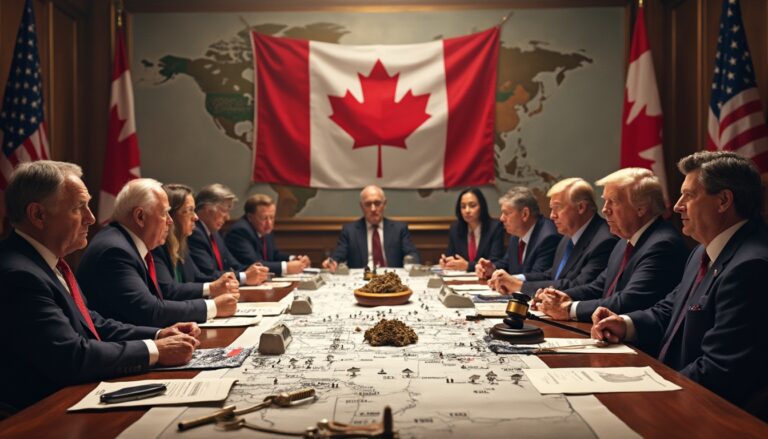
column 485, row 217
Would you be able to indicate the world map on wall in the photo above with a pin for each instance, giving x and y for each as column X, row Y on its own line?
column 224, row 74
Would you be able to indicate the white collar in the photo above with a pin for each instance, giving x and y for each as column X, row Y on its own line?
column 51, row 259
column 717, row 245
column 140, row 246
column 575, row 237
column 636, row 237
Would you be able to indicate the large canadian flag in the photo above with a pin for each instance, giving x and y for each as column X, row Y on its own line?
column 641, row 140
column 400, row 116
column 121, row 159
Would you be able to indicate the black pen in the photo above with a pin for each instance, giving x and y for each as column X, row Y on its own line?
column 133, row 393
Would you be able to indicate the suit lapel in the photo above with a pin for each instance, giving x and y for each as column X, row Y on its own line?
column 584, row 241
column 26, row 249
column 144, row 270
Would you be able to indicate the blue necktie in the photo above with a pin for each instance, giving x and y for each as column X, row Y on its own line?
column 563, row 261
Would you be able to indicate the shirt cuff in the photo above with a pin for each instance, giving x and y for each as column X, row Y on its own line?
column 241, row 277
column 631, row 332
column 206, row 290
column 210, row 307
column 283, row 268
column 154, row 353
column 520, row 276
column 572, row 312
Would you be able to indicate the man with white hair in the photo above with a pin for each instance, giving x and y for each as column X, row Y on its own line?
column 118, row 271
column 52, row 339
column 373, row 239
column 644, row 265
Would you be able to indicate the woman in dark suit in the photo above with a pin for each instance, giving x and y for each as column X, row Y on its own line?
column 175, row 269
column 474, row 226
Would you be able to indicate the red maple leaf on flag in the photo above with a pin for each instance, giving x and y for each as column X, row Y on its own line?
column 378, row 120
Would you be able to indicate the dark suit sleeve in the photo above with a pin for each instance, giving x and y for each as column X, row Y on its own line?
column 241, row 245
column 590, row 291
column 497, row 249
column 733, row 351
column 407, row 247
column 453, row 235
column 651, row 280
column 545, row 252
column 125, row 296
column 173, row 290
column 200, row 253
column 55, row 349
column 341, row 253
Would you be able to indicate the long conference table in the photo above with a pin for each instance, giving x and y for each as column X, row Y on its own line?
column 693, row 412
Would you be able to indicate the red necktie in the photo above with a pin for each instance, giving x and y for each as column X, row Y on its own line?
column 520, row 251
column 264, row 247
column 378, row 255
column 216, row 252
column 680, row 317
column 472, row 247
column 624, row 260
column 74, row 290
column 153, row 273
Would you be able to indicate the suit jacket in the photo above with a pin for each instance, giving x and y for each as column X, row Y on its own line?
column 47, row 344
column 244, row 243
column 653, row 270
column 491, row 245
column 539, row 251
column 353, row 244
column 587, row 260
column 188, row 288
column 118, row 285
column 719, row 343
column 203, row 257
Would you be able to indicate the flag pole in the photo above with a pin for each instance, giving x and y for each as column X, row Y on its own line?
column 119, row 8
column 504, row 20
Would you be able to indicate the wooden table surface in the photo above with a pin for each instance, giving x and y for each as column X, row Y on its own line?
column 693, row 412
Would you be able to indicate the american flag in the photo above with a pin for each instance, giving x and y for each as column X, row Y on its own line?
column 22, row 131
column 736, row 121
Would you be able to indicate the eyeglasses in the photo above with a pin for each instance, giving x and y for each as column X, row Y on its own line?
column 369, row 204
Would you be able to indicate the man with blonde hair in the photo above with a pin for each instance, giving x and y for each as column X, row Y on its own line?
column 250, row 239
column 118, row 270
column 644, row 265
column 582, row 252
column 52, row 337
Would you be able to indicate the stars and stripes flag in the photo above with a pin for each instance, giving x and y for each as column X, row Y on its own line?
column 121, row 159
column 641, row 130
column 22, row 131
column 736, row 120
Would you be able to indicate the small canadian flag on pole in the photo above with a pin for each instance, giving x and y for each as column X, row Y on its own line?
column 400, row 116
column 642, row 123
column 121, row 160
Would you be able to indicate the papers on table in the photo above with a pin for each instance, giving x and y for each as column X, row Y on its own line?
column 456, row 273
column 266, row 286
column 230, row 322
column 473, row 289
column 179, row 392
column 214, row 358
column 460, row 278
column 252, row 309
column 598, row 380
column 559, row 346
column 490, row 309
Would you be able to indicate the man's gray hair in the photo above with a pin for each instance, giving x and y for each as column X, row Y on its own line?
column 576, row 190
column 373, row 186
column 214, row 194
column 520, row 197
column 141, row 192
column 721, row 170
column 643, row 185
column 34, row 182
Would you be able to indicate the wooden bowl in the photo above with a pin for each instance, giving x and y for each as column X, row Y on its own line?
column 382, row 299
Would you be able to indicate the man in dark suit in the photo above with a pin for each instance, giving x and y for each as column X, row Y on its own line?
column 209, row 252
column 645, row 264
column 373, row 239
column 533, row 238
column 583, row 251
column 250, row 239
column 118, row 271
column 52, row 339
column 708, row 328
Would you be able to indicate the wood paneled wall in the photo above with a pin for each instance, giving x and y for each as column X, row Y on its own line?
column 76, row 39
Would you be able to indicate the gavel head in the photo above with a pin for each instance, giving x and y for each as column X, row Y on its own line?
column 517, row 310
